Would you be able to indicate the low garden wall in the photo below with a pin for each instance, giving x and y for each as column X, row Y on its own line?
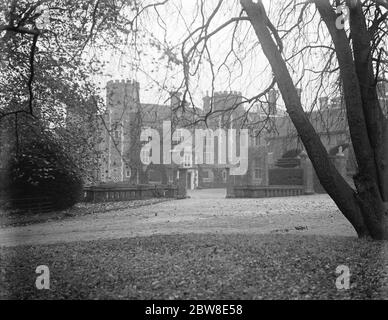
column 285, row 182
column 267, row 191
column 126, row 193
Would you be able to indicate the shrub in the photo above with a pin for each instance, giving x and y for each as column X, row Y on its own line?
column 41, row 169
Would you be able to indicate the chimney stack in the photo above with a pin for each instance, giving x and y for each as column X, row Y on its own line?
column 175, row 99
column 206, row 103
column 272, row 98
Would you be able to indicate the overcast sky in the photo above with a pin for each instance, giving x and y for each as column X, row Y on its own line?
column 177, row 17
column 247, row 70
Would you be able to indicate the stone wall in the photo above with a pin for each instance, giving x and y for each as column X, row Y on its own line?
column 122, row 193
column 285, row 181
column 268, row 191
column 110, row 192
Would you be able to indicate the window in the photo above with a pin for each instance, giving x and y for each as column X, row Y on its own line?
column 128, row 172
column 187, row 160
column 224, row 175
column 258, row 169
column 257, row 173
column 179, row 135
column 208, row 157
column 145, row 156
column 205, row 174
column 171, row 177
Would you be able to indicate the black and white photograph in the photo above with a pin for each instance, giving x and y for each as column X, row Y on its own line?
column 193, row 155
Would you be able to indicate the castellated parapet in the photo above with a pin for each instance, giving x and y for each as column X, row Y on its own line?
column 122, row 95
column 222, row 100
column 227, row 94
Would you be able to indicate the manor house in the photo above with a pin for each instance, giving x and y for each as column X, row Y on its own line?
column 273, row 140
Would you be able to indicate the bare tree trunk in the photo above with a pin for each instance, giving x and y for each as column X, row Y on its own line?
column 364, row 209
column 364, row 115
column 385, row 163
column 374, row 118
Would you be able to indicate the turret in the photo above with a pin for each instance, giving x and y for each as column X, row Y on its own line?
column 122, row 95
column 175, row 99
column 272, row 101
column 226, row 99
column 206, row 103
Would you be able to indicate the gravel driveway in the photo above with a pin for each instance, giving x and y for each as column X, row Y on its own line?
column 206, row 211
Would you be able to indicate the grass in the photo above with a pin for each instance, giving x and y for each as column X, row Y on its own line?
column 205, row 266
column 15, row 218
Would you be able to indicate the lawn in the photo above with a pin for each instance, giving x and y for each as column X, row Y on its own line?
column 14, row 218
column 198, row 266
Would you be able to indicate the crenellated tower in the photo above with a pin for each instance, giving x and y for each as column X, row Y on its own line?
column 122, row 103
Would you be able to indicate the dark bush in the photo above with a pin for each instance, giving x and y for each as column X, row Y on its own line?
column 41, row 169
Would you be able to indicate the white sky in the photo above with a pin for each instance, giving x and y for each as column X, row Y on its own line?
column 150, row 71
column 251, row 76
